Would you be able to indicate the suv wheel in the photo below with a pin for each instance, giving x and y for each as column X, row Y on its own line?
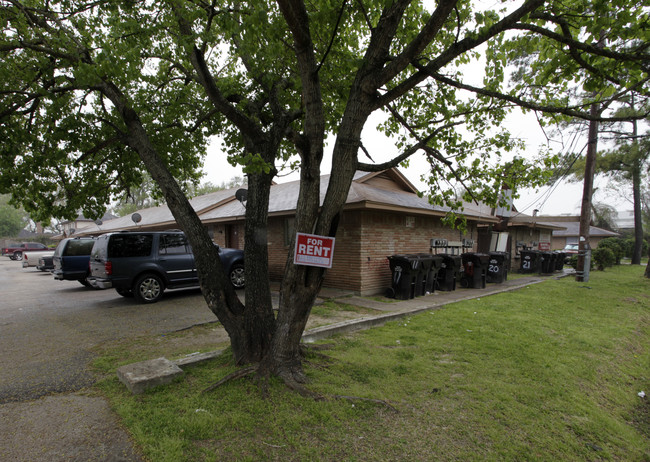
column 148, row 288
column 125, row 292
column 18, row 256
column 84, row 282
column 237, row 276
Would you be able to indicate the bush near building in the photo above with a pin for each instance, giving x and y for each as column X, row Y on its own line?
column 617, row 247
column 604, row 257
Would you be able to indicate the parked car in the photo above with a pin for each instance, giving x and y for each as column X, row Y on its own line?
column 45, row 263
column 8, row 248
column 569, row 250
column 31, row 258
column 71, row 259
column 16, row 252
column 144, row 264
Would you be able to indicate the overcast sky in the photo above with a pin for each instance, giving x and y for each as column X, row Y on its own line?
column 562, row 198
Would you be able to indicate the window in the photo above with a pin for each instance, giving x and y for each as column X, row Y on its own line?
column 76, row 248
column 130, row 245
column 289, row 230
column 172, row 244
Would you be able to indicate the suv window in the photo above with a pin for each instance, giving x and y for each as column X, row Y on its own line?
column 129, row 245
column 76, row 248
column 173, row 244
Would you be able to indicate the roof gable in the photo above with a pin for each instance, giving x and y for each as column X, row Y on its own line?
column 391, row 179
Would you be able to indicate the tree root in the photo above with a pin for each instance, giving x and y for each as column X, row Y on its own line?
column 295, row 382
column 298, row 386
column 235, row 375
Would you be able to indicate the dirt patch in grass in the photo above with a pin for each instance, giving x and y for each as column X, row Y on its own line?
column 641, row 416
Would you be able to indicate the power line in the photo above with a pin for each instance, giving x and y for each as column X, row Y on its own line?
column 546, row 195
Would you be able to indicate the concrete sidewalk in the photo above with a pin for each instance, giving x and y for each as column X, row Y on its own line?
column 140, row 376
column 390, row 310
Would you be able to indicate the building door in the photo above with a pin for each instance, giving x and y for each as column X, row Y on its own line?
column 232, row 236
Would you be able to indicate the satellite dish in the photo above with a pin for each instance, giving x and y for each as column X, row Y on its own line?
column 242, row 195
column 99, row 222
column 136, row 217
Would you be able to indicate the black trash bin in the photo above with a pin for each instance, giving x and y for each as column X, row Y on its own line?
column 423, row 266
column 559, row 260
column 531, row 261
column 429, row 266
column 474, row 270
column 498, row 266
column 449, row 272
column 548, row 262
column 405, row 270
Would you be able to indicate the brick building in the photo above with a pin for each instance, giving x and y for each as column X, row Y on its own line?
column 383, row 216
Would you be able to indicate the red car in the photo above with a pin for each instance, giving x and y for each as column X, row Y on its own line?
column 16, row 253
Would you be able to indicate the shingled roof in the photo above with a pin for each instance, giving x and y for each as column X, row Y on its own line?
column 387, row 190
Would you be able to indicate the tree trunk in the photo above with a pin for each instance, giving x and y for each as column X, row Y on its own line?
column 300, row 284
column 250, row 327
column 258, row 326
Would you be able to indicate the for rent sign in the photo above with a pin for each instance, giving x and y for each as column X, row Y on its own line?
column 314, row 250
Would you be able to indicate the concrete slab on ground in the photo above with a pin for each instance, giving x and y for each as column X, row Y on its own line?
column 141, row 376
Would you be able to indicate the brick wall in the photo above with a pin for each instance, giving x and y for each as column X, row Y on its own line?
column 343, row 274
column 218, row 232
column 278, row 251
column 385, row 234
column 363, row 241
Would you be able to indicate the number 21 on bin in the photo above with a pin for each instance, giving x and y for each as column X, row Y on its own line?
column 312, row 250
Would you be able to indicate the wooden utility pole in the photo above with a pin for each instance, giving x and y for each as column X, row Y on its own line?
column 582, row 271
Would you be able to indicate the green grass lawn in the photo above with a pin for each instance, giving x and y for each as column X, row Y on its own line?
column 550, row 372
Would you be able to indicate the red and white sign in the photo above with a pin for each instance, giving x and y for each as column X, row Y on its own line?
column 312, row 250
column 544, row 246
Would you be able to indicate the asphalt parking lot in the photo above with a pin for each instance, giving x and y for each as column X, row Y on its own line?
column 48, row 330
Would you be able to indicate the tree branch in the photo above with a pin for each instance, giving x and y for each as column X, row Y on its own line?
column 456, row 50
column 334, row 33
column 527, row 104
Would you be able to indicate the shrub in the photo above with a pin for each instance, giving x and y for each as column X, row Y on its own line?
column 573, row 262
column 603, row 258
column 629, row 247
column 616, row 245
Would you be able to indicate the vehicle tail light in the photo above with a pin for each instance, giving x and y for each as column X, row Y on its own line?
column 108, row 267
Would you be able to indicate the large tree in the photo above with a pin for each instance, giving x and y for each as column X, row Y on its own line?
column 85, row 86
column 12, row 220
